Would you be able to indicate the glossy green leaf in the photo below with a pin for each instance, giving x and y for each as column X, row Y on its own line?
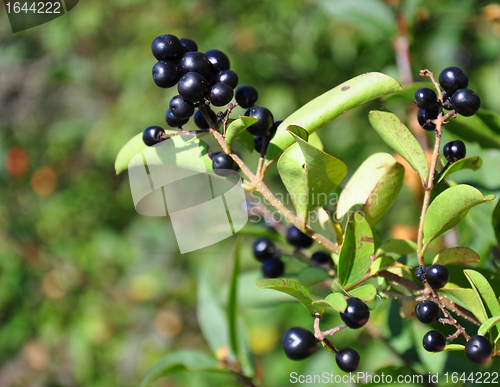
column 375, row 185
column 309, row 175
column 450, row 347
column 473, row 163
column 456, row 255
column 232, row 304
column 236, row 127
column 365, row 293
column 133, row 147
column 449, row 208
column 315, row 140
column 401, row 140
column 298, row 131
column 246, row 139
column 290, row 287
column 383, row 263
column 486, row 292
column 358, row 246
column 495, row 220
column 487, row 325
column 337, row 288
column 468, row 299
column 191, row 361
column 329, row 105
column 397, row 246
column 337, row 301
column 483, row 128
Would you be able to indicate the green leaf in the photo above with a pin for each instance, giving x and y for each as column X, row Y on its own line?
column 191, row 361
column 326, row 224
column 449, row 208
column 473, row 163
column 298, row 131
column 315, row 140
column 337, row 288
column 487, row 325
column 309, row 175
column 375, row 185
column 468, row 299
column 384, row 262
column 483, row 128
column 485, row 291
column 401, row 140
column 246, row 139
column 456, row 255
column 133, row 147
column 232, row 304
column 337, row 301
column 496, row 221
column 358, row 246
column 397, row 246
column 330, row 105
column 450, row 347
column 365, row 293
column 236, row 127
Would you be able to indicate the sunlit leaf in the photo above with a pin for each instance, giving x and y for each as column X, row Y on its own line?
column 486, row 293
column 456, row 255
column 383, row 263
column 133, row 147
column 236, row 127
column 468, row 299
column 337, row 301
column 450, row 347
column 483, row 128
column 473, row 163
column 365, row 293
column 487, row 325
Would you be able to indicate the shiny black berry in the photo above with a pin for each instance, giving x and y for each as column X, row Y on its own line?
column 173, row 121
column 167, row 47
column 420, row 273
column 322, row 258
column 454, row 150
column 425, row 115
column 165, row 74
column 356, row 314
column 265, row 120
column 180, row 107
column 263, row 249
column 151, row 134
column 298, row 343
column 219, row 60
column 478, row 349
column 259, row 140
column 425, row 98
column 465, row 102
column 437, row 276
column 427, row 311
column 220, row 94
column 195, row 61
column 229, row 77
column 452, row 78
column 193, row 87
column 297, row 238
column 201, row 122
column 246, row 96
column 223, row 164
column 188, row 44
column 273, row 267
column 347, row 359
column 434, row 341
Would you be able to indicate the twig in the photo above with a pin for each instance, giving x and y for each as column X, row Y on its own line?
column 449, row 319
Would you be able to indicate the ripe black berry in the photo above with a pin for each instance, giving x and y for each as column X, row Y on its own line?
column 263, row 249
column 273, row 267
column 195, row 61
column 151, row 134
column 166, row 47
column 347, row 359
column 437, row 276
column 297, row 238
column 478, row 349
column 219, row 60
column 356, row 314
column 425, row 98
column 465, row 102
column 420, row 273
column 180, row 108
column 322, row 258
column 246, row 96
column 201, row 122
column 424, row 115
column 452, row 78
column 220, row 94
column 165, row 74
column 265, row 120
column 427, row 311
column 229, row 77
column 447, row 101
column 173, row 121
column 222, row 163
column 298, row 343
column 259, row 140
column 434, row 341
column 454, row 150
column 188, row 44
column 193, row 87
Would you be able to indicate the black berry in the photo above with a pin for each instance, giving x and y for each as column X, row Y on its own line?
column 220, row 94
column 265, row 120
column 298, row 343
column 188, row 44
column 259, row 140
column 347, row 359
column 322, row 258
column 465, row 102
column 180, row 107
column 427, row 311
column 356, row 314
column 437, row 276
column 425, row 98
column 297, row 238
column 201, row 122
column 420, row 273
column 452, row 78
column 425, row 115
column 219, row 60
column 434, row 341
column 454, row 150
column 273, row 267
column 193, row 87
column 257, row 143
column 173, row 121
column 222, row 163
column 263, row 249
column 246, row 96
column 195, row 61
column 151, row 134
column 165, row 74
column 166, row 47
column 447, row 101
column 229, row 77
column 478, row 349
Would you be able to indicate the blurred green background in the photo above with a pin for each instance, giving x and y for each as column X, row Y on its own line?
column 93, row 294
